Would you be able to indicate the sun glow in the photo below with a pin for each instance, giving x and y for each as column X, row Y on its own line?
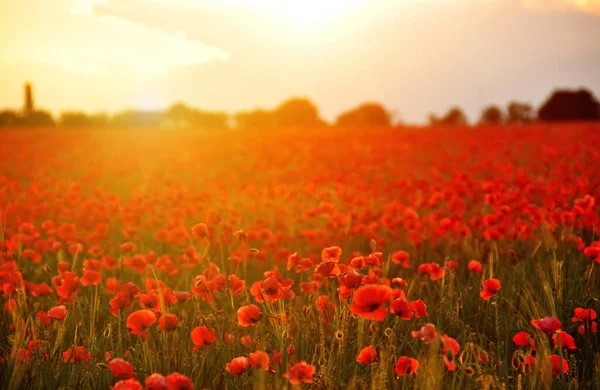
column 310, row 13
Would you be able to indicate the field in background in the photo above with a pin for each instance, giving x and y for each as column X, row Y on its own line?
column 189, row 253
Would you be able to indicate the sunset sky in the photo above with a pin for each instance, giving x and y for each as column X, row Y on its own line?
column 415, row 56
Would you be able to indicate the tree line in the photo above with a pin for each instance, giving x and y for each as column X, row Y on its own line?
column 561, row 105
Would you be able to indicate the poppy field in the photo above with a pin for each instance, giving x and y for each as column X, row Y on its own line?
column 331, row 259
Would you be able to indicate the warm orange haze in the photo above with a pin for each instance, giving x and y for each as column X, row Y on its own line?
column 263, row 194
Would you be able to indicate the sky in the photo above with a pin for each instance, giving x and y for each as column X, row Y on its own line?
column 413, row 56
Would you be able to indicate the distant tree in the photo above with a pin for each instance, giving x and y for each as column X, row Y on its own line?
column 255, row 119
column 9, row 118
column 81, row 119
column 298, row 112
column 454, row 117
column 38, row 118
column 136, row 118
column 492, row 115
column 367, row 114
column 566, row 105
column 520, row 112
column 184, row 116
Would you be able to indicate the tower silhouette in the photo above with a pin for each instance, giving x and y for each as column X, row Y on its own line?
column 28, row 99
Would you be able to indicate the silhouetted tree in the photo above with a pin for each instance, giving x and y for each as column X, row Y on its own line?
column 454, row 117
column 138, row 118
column 38, row 118
column 565, row 105
column 298, row 112
column 492, row 115
column 367, row 114
column 184, row 116
column 255, row 119
column 9, row 118
column 520, row 112
column 81, row 119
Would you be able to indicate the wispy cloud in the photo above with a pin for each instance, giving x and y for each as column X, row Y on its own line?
column 125, row 44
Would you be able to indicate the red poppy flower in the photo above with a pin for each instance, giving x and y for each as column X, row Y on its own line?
column 328, row 269
column 140, row 320
column 475, row 266
column 127, row 384
column 81, row 355
column 168, row 322
column 179, row 382
column 202, row 337
column 402, row 258
column 44, row 319
column 450, row 349
column 156, row 382
column 548, row 325
column 120, row 368
column 420, row 308
column 564, row 340
column 490, row 287
column 406, row 366
column 248, row 315
column 200, row 231
column 350, row 279
column 237, row 366
column 401, row 308
column 300, row 372
column 259, row 360
column 57, row 312
column 367, row 355
column 522, row 339
column 332, row 253
column 368, row 301
column 427, row 333
column 559, row 365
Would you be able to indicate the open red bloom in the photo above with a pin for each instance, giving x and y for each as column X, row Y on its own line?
column 140, row 320
column 57, row 312
column 475, row 266
column 248, row 315
column 490, row 287
column 548, row 325
column 367, row 355
column 332, row 253
column 237, row 366
column 559, row 365
column 401, row 308
column 120, row 368
column 427, row 333
column 127, row 384
column 179, row 382
column 168, row 322
column 402, row 258
column 368, row 301
column 450, row 349
column 406, row 366
column 300, row 372
column 200, row 230
column 156, row 382
column 522, row 339
column 259, row 360
column 202, row 337
column 586, row 316
column 81, row 355
column 564, row 340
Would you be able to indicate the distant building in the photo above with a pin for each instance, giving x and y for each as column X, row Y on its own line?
column 28, row 100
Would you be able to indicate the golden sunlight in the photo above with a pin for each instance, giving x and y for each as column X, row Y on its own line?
column 308, row 14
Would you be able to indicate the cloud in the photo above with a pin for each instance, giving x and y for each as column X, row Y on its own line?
column 119, row 43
